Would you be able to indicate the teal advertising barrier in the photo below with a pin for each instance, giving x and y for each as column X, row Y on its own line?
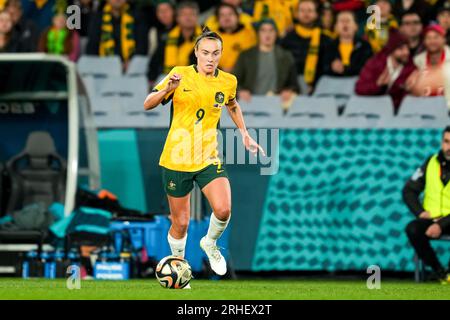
column 336, row 202
column 120, row 164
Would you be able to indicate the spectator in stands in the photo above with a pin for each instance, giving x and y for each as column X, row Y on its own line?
column 348, row 53
column 178, row 48
column 327, row 20
column 40, row 12
column 88, row 8
column 116, row 31
column 378, row 37
column 432, row 215
column 266, row 68
column 422, row 7
column 59, row 40
column 411, row 27
column 307, row 43
column 24, row 29
column 165, row 15
column 282, row 12
column 387, row 71
column 443, row 18
column 7, row 41
column 236, row 37
column 212, row 23
column 432, row 77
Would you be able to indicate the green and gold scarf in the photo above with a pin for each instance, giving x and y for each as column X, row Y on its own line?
column 312, row 57
column 107, row 43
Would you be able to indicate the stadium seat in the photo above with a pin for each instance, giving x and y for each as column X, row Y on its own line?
column 158, row 117
column 311, row 112
column 92, row 86
column 365, row 111
column 138, row 66
column 99, row 67
column 260, row 112
column 339, row 87
column 428, row 112
column 138, row 117
column 135, row 88
column 120, row 102
column 37, row 173
column 106, row 97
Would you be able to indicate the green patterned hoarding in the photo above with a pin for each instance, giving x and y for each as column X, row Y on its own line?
column 336, row 202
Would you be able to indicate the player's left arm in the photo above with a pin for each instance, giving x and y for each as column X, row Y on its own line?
column 235, row 111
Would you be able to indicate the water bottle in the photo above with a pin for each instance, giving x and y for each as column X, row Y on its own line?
column 45, row 261
column 29, row 264
column 50, row 266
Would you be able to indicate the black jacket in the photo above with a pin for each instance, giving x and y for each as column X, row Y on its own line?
column 362, row 52
column 416, row 185
column 298, row 46
column 25, row 32
column 247, row 66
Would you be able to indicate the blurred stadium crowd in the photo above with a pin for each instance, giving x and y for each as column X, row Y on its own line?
column 279, row 47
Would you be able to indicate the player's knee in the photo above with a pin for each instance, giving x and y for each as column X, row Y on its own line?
column 223, row 213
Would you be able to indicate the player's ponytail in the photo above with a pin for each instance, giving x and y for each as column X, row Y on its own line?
column 208, row 34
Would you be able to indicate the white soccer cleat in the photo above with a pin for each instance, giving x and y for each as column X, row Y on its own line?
column 216, row 260
column 188, row 286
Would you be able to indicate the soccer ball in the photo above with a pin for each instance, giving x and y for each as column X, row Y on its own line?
column 173, row 272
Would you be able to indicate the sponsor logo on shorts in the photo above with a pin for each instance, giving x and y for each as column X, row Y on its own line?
column 171, row 186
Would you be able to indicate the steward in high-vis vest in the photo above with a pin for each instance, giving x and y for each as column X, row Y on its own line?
column 433, row 214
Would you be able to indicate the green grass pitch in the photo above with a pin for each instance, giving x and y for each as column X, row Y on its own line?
column 222, row 290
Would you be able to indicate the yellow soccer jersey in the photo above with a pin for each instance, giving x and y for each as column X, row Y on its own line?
column 197, row 103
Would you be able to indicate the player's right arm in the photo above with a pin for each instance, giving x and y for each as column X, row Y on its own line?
column 168, row 85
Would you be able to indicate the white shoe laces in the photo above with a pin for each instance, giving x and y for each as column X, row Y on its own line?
column 215, row 253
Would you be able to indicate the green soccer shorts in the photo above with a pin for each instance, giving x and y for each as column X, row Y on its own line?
column 180, row 183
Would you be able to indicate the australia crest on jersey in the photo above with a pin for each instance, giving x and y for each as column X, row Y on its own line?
column 220, row 98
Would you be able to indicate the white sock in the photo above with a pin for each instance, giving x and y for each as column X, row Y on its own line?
column 177, row 246
column 215, row 230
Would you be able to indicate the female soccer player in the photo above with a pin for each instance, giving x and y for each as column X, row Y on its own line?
column 198, row 93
